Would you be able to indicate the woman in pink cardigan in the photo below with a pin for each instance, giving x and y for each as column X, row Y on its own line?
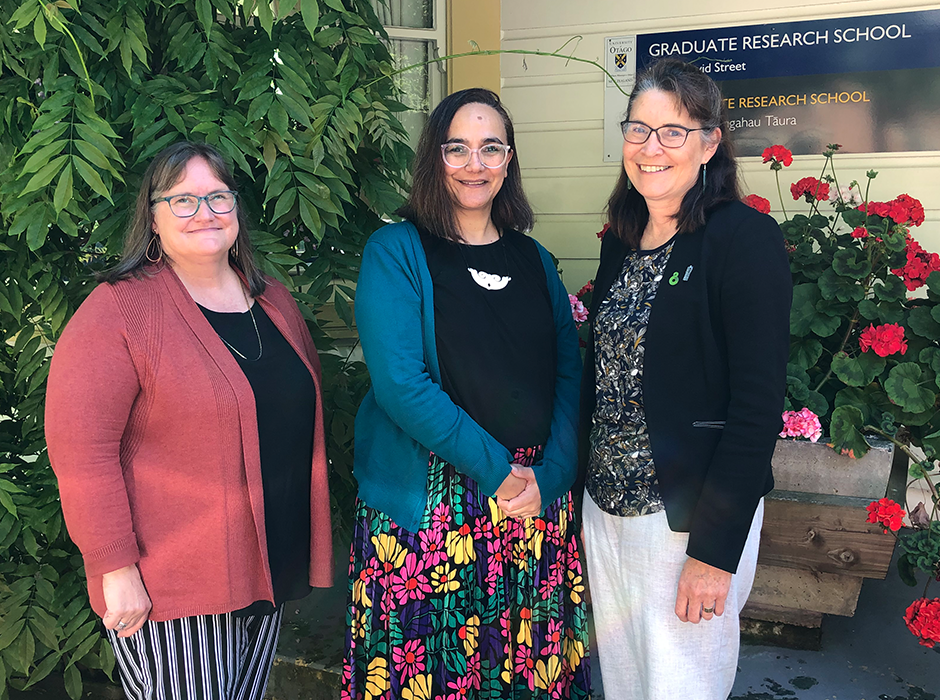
column 185, row 425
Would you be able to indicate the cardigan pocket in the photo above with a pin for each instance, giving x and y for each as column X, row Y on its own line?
column 717, row 424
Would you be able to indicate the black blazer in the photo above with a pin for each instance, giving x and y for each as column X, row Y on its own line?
column 714, row 377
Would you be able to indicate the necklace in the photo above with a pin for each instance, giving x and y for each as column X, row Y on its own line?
column 257, row 333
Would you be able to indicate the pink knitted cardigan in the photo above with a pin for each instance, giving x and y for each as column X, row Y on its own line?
column 153, row 435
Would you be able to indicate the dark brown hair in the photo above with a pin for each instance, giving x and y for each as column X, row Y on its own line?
column 701, row 98
column 430, row 205
column 164, row 171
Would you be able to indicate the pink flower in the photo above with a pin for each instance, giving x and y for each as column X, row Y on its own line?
column 553, row 637
column 525, row 664
column 432, row 544
column 410, row 581
column 409, row 660
column 802, row 423
column 755, row 201
column 578, row 311
column 883, row 340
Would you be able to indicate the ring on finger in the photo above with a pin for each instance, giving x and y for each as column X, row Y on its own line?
column 708, row 610
column 121, row 625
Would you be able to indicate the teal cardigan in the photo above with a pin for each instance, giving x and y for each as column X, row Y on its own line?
column 406, row 414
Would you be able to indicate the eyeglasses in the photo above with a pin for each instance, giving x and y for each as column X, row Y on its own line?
column 186, row 205
column 492, row 155
column 669, row 136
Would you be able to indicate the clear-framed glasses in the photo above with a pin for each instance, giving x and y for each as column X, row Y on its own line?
column 186, row 205
column 492, row 155
column 670, row 136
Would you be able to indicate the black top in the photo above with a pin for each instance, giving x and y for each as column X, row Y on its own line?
column 285, row 401
column 714, row 375
column 495, row 334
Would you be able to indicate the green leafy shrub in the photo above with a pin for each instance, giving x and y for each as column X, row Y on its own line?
column 295, row 96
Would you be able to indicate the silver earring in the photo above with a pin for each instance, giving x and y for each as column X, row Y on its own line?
column 157, row 256
column 704, row 168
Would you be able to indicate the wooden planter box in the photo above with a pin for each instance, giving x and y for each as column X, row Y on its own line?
column 816, row 548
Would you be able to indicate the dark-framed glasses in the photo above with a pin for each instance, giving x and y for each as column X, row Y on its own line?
column 186, row 205
column 669, row 136
column 492, row 155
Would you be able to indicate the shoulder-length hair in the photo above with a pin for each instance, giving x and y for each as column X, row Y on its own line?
column 430, row 205
column 164, row 171
column 701, row 98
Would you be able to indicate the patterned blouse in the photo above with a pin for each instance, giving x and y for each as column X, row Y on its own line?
column 621, row 476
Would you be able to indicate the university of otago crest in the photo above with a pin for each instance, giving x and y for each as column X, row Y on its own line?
column 620, row 61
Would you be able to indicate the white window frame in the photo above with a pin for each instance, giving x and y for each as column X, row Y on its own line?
column 437, row 40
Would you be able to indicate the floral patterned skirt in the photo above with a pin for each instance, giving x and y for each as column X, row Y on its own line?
column 474, row 605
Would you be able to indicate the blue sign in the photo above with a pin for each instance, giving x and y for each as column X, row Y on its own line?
column 870, row 83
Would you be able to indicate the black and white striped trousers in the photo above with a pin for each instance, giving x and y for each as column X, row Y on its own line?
column 205, row 657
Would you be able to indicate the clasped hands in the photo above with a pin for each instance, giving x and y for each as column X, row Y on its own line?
column 518, row 496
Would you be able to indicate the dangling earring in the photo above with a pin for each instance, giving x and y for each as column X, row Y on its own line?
column 704, row 168
column 629, row 184
column 157, row 256
column 234, row 250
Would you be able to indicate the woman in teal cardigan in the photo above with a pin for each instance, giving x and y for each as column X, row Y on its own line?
column 465, row 570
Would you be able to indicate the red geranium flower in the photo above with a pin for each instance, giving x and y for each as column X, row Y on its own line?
column 589, row 287
column 903, row 210
column 778, row 157
column 886, row 512
column 923, row 620
column 810, row 188
column 600, row 234
column 884, row 340
column 918, row 267
column 860, row 232
column 755, row 201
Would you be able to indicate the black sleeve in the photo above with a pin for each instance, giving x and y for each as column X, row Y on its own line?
column 755, row 294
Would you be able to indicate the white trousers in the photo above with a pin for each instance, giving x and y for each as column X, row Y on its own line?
column 645, row 651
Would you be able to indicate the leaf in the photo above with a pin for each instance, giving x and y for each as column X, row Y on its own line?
column 906, row 388
column 45, row 175
column 869, row 310
column 73, row 682
column 310, row 12
column 10, row 630
column 92, row 178
column 206, row 15
column 846, row 262
column 805, row 352
column 803, row 310
column 63, row 189
column 39, row 30
column 906, row 570
column 266, row 16
column 857, row 371
column 933, row 282
column 845, row 431
column 343, row 310
column 892, row 289
column 921, row 321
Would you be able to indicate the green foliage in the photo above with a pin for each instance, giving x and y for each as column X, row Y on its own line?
column 861, row 347
column 89, row 93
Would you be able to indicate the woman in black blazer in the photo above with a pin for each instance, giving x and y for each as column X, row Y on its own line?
column 682, row 396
